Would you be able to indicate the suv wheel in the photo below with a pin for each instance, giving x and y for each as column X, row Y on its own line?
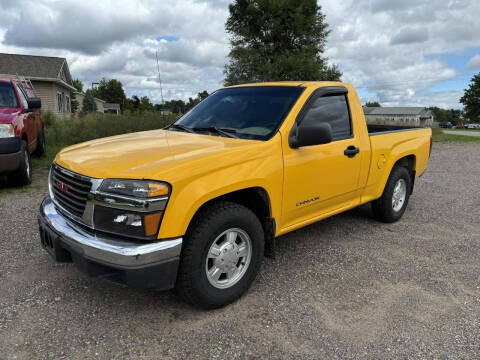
column 222, row 254
column 393, row 203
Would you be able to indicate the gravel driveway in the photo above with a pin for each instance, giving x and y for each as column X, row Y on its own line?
column 347, row 287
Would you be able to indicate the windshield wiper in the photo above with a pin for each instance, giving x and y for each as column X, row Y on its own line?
column 181, row 127
column 221, row 131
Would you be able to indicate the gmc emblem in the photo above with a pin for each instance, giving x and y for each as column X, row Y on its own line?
column 62, row 187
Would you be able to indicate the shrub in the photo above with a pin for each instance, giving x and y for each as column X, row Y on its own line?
column 96, row 125
column 49, row 119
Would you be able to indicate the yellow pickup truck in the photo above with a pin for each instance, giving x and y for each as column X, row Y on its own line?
column 197, row 205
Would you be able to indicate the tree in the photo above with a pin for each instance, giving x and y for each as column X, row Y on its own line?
column 277, row 40
column 77, row 84
column 203, row 95
column 372, row 104
column 471, row 99
column 89, row 104
column 175, row 106
column 443, row 116
column 110, row 91
column 73, row 102
column 145, row 104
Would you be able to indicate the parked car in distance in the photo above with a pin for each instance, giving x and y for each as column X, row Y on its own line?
column 21, row 131
column 472, row 126
column 459, row 127
column 198, row 204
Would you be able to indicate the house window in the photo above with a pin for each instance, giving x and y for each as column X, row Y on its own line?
column 59, row 102
column 67, row 104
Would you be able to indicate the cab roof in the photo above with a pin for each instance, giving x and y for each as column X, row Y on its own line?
column 293, row 83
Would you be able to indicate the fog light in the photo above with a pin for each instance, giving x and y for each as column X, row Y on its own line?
column 129, row 219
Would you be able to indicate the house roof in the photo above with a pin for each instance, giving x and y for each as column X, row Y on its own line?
column 395, row 110
column 41, row 68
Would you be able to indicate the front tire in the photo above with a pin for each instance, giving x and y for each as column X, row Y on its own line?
column 23, row 175
column 393, row 203
column 221, row 257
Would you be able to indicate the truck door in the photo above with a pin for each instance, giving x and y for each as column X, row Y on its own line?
column 322, row 178
column 28, row 120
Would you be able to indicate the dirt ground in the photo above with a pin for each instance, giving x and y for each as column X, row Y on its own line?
column 345, row 288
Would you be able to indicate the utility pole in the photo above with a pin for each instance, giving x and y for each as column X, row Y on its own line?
column 159, row 79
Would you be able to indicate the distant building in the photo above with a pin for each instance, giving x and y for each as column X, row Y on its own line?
column 111, row 108
column 79, row 96
column 50, row 77
column 399, row 116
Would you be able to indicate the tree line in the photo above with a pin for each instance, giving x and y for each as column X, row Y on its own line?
column 111, row 91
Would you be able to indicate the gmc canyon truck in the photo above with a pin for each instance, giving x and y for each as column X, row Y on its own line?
column 21, row 130
column 197, row 205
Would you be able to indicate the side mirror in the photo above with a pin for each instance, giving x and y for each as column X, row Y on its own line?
column 308, row 134
column 34, row 103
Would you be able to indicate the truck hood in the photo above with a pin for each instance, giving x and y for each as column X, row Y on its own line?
column 7, row 114
column 158, row 154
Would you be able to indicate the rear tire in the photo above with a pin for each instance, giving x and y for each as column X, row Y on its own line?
column 393, row 203
column 221, row 255
column 23, row 175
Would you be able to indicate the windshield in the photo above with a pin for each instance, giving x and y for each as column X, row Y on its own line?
column 7, row 95
column 247, row 112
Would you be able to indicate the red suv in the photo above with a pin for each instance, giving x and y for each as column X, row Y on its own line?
column 21, row 130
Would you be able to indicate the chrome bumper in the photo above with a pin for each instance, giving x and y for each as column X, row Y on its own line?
column 108, row 249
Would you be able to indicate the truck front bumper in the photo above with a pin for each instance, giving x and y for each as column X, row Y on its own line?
column 128, row 262
column 10, row 154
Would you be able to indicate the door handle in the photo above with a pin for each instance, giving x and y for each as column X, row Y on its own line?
column 351, row 151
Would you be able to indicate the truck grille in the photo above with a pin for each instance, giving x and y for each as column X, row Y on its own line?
column 69, row 191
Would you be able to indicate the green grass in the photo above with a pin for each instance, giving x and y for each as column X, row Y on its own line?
column 438, row 136
column 63, row 133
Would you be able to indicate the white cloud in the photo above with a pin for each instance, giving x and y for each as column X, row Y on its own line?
column 474, row 63
column 388, row 49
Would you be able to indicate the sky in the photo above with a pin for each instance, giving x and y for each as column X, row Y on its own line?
column 400, row 53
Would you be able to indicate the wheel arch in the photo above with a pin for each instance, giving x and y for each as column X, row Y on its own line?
column 258, row 201
column 407, row 161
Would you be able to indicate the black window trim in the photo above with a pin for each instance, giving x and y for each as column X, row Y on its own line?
column 325, row 91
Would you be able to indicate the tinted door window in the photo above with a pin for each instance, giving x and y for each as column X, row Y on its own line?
column 333, row 110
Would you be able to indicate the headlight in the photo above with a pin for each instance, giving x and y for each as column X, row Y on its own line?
column 127, row 223
column 6, row 130
column 134, row 208
column 135, row 188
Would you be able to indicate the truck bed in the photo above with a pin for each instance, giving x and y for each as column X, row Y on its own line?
column 382, row 129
